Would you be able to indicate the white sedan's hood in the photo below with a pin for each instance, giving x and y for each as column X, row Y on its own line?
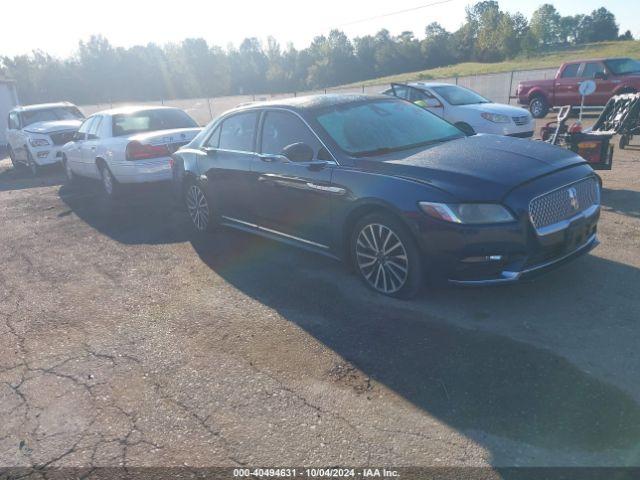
column 499, row 108
column 53, row 126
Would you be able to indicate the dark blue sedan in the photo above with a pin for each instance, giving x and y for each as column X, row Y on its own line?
column 394, row 190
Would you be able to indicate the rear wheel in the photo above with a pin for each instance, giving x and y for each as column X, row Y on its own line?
column 386, row 257
column 538, row 106
column 199, row 208
column 110, row 186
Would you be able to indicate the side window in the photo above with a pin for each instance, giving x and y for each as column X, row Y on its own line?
column 591, row 68
column 571, row 70
column 94, row 128
column 416, row 95
column 237, row 132
column 81, row 134
column 281, row 129
column 214, row 139
column 400, row 91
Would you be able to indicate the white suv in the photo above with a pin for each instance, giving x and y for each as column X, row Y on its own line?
column 36, row 133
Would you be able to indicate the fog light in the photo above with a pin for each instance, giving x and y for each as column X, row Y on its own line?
column 483, row 259
column 43, row 154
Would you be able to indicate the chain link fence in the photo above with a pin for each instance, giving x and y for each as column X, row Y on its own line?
column 496, row 86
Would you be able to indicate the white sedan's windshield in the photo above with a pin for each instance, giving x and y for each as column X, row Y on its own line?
column 455, row 95
column 383, row 126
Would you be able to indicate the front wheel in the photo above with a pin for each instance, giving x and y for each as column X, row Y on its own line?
column 32, row 165
column 17, row 165
column 538, row 107
column 71, row 177
column 386, row 257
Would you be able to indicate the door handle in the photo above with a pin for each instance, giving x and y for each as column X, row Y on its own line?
column 93, row 148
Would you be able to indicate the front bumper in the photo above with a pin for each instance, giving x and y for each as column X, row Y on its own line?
column 46, row 155
column 508, row 276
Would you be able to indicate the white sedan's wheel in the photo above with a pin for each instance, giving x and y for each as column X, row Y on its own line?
column 198, row 208
column 109, row 184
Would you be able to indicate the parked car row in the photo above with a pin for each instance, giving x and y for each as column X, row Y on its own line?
column 383, row 184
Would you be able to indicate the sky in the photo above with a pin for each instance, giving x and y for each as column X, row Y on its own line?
column 56, row 26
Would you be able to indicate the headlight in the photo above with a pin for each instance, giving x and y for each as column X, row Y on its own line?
column 39, row 142
column 495, row 117
column 467, row 213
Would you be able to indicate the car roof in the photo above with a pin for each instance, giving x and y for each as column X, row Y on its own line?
column 129, row 109
column 601, row 59
column 430, row 84
column 41, row 106
column 310, row 102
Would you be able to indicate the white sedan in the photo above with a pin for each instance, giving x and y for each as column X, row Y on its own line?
column 128, row 145
column 466, row 109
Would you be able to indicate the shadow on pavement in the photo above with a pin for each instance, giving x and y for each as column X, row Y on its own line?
column 143, row 215
column 625, row 202
column 471, row 380
column 474, row 381
column 21, row 179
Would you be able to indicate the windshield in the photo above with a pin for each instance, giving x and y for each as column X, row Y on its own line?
column 382, row 126
column 151, row 120
column 455, row 95
column 50, row 114
column 622, row 66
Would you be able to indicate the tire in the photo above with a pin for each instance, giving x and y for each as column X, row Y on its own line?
column 110, row 186
column 199, row 208
column 386, row 257
column 624, row 141
column 538, row 106
column 72, row 178
column 33, row 167
column 466, row 128
column 17, row 165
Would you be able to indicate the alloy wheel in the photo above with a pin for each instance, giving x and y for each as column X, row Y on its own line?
column 382, row 258
column 198, row 207
column 536, row 107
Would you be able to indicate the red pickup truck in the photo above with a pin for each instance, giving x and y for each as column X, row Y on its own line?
column 612, row 76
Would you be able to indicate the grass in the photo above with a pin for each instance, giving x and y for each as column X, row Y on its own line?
column 552, row 59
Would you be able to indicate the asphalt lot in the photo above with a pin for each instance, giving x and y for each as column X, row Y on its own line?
column 127, row 340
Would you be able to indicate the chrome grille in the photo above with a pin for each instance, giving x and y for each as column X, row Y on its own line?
column 564, row 203
column 60, row 138
column 523, row 120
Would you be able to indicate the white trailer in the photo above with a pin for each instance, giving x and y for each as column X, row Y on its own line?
column 8, row 100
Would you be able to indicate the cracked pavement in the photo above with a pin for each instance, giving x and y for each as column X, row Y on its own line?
column 125, row 340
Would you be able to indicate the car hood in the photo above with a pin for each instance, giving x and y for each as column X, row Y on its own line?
column 53, row 126
column 481, row 168
column 499, row 108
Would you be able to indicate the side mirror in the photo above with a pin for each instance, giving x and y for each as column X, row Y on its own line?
column 600, row 76
column 298, row 152
column 211, row 152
